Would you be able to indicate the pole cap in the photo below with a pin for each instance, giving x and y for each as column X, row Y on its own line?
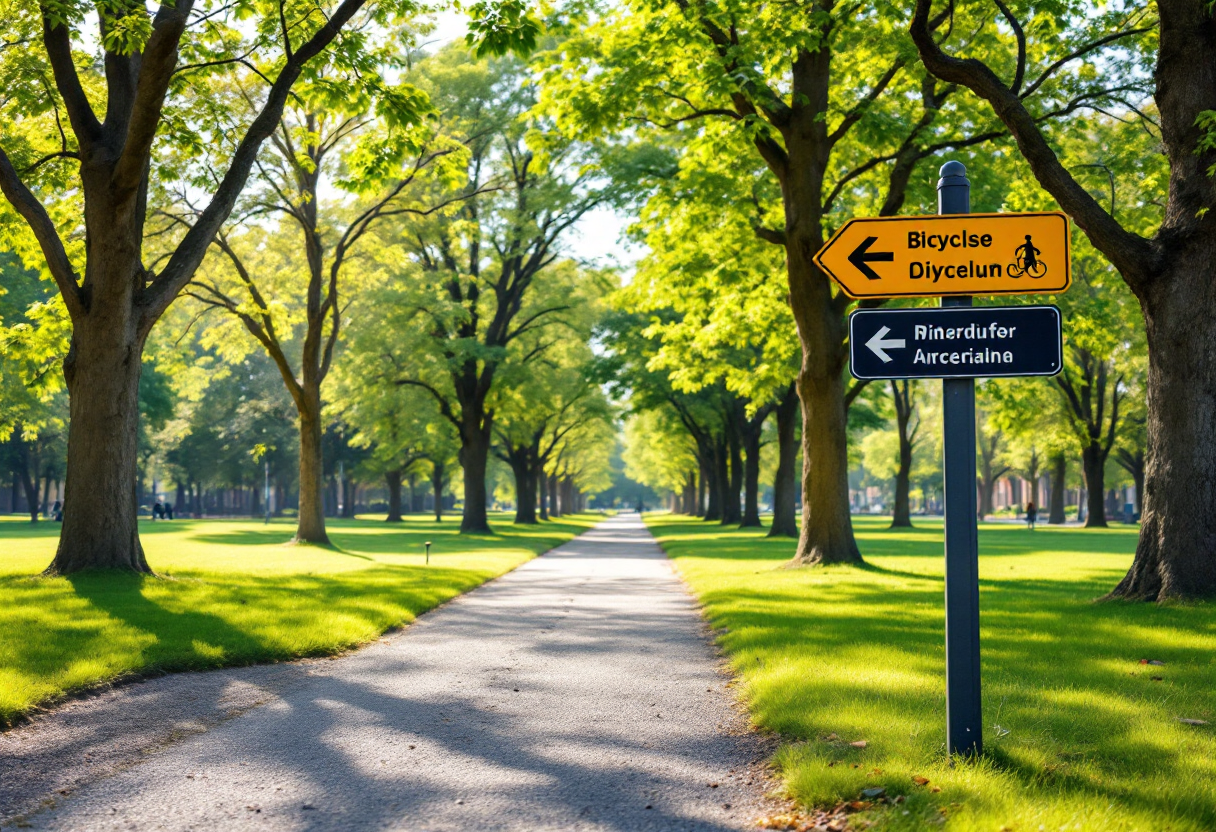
column 952, row 174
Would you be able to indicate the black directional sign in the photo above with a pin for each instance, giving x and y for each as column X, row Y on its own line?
column 955, row 342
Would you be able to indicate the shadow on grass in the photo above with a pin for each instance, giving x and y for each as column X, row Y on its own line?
column 858, row 652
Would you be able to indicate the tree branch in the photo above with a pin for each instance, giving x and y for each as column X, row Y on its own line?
column 191, row 250
column 39, row 221
column 1132, row 255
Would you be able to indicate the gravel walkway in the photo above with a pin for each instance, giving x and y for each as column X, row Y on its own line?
column 578, row 692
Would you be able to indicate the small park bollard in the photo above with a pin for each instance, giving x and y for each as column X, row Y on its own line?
column 428, row 552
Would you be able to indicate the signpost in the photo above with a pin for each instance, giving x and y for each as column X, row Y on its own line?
column 959, row 342
column 939, row 256
column 953, row 256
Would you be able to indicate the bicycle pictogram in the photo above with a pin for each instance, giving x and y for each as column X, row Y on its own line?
column 1026, row 261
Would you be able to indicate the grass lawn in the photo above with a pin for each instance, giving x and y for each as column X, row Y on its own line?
column 1089, row 738
column 231, row 593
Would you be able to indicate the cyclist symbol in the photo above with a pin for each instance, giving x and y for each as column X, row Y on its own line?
column 1026, row 261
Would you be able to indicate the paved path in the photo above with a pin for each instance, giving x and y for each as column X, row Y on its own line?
column 578, row 692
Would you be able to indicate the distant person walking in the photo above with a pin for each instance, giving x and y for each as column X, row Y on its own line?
column 1032, row 513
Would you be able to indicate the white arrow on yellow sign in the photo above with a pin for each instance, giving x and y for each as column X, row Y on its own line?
column 958, row 254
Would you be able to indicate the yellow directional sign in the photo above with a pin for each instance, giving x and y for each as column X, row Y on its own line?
column 957, row 254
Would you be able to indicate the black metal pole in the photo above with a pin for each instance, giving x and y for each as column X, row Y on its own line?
column 964, row 720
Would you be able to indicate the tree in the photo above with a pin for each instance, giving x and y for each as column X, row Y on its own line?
column 346, row 124
column 33, row 409
column 111, row 295
column 1169, row 271
column 479, row 283
column 704, row 265
column 659, row 453
column 541, row 408
column 841, row 115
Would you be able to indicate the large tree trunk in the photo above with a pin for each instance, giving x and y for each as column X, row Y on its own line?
column 902, row 516
column 350, row 496
column 392, row 479
column 474, row 457
column 1176, row 555
column 310, row 525
column 525, row 495
column 100, row 522
column 555, row 510
column 567, row 495
column 704, row 497
column 1094, row 463
column 751, row 477
column 731, row 506
column 785, row 484
column 827, row 529
column 542, row 493
column 437, row 472
column 1059, row 474
column 987, row 495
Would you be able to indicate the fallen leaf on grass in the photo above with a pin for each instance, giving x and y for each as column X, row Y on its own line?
column 1193, row 721
column 1156, row 678
column 832, row 737
column 935, row 789
column 877, row 791
column 1156, row 662
column 858, row 744
column 920, row 781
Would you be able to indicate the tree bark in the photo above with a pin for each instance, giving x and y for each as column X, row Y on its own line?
column 751, row 478
column 1176, row 554
column 785, row 484
column 525, row 483
column 1171, row 275
column 902, row 393
column 100, row 519
column 732, row 510
column 392, row 480
column 474, row 457
column 1093, row 462
column 310, row 525
column 437, row 474
column 555, row 510
column 1059, row 474
column 827, row 528
column 567, row 495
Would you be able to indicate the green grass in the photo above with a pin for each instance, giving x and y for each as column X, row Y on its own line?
column 1093, row 741
column 231, row 593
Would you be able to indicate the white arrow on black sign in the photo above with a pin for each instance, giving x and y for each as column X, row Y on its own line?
column 878, row 346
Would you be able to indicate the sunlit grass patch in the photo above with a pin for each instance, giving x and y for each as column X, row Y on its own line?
column 230, row 592
column 1089, row 738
